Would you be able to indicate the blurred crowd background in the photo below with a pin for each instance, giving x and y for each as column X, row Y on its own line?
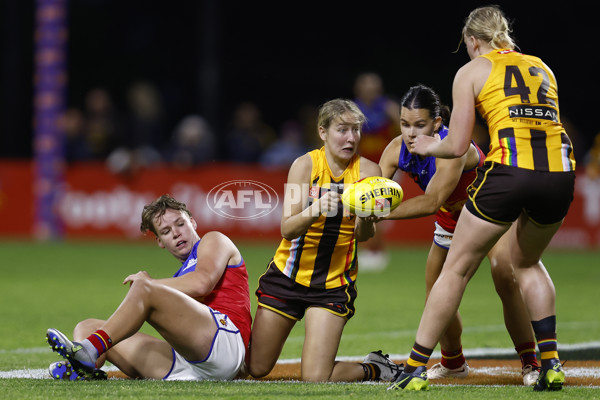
column 191, row 82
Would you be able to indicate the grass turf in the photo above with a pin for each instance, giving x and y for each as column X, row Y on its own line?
column 57, row 284
column 43, row 389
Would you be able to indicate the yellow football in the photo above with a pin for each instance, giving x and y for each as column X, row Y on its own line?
column 374, row 195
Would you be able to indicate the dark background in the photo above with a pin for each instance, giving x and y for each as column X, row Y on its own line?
column 207, row 56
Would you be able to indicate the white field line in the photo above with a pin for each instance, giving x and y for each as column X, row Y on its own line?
column 41, row 373
column 480, row 352
column 593, row 372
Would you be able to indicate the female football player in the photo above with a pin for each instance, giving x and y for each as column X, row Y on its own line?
column 444, row 182
column 313, row 273
column 202, row 312
column 528, row 179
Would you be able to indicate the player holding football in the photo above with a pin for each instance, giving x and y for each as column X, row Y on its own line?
column 444, row 182
column 313, row 273
column 528, row 179
column 202, row 312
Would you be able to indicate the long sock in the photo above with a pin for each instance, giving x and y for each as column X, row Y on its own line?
column 527, row 354
column 453, row 359
column 99, row 340
column 419, row 356
column 545, row 334
column 372, row 371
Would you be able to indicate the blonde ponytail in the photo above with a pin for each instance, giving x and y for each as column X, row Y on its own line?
column 490, row 25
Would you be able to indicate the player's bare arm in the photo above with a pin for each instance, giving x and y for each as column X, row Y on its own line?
column 296, row 219
column 441, row 185
column 389, row 159
column 461, row 122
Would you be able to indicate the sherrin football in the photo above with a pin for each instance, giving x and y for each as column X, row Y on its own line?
column 374, row 195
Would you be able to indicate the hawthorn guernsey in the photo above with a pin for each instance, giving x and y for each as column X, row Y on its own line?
column 374, row 195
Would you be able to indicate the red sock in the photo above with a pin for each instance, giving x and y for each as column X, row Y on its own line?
column 454, row 359
column 101, row 341
column 527, row 354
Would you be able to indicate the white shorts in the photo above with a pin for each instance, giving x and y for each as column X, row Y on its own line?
column 224, row 361
column 442, row 237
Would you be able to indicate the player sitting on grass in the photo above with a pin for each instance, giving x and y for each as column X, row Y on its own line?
column 202, row 312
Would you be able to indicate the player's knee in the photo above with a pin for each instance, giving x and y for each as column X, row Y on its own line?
column 258, row 370
column 317, row 372
column 502, row 270
column 315, row 376
column 257, row 366
column 141, row 287
column 505, row 281
column 86, row 327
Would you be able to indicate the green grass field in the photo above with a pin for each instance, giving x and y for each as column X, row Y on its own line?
column 46, row 285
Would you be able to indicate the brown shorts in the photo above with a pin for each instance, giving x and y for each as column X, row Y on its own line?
column 281, row 294
column 501, row 192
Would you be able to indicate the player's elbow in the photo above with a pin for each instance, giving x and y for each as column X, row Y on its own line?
column 431, row 204
column 460, row 149
column 199, row 293
column 431, row 207
column 289, row 233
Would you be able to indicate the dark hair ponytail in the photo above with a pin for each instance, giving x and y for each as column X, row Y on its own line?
column 445, row 114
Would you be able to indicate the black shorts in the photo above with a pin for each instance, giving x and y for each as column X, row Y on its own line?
column 501, row 192
column 281, row 294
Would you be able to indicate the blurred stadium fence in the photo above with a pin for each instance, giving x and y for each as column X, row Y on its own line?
column 243, row 201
